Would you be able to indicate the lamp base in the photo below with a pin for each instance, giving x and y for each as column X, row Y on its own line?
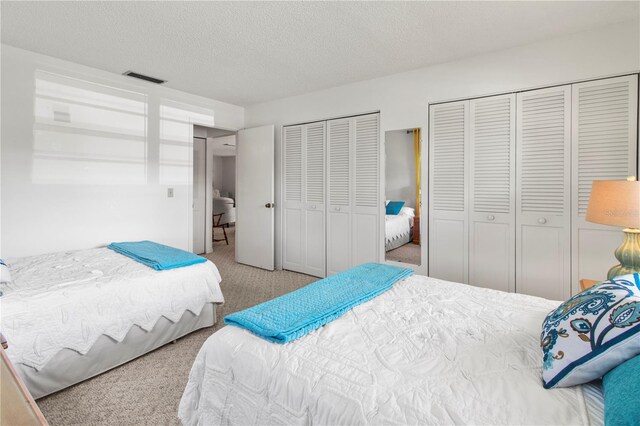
column 628, row 254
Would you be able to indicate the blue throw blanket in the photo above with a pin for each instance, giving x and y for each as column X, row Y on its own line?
column 293, row 315
column 156, row 256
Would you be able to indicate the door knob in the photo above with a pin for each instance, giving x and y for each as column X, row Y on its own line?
column 337, row 209
column 269, row 205
column 542, row 221
column 313, row 207
column 491, row 217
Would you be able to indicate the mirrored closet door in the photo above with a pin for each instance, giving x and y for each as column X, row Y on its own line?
column 402, row 238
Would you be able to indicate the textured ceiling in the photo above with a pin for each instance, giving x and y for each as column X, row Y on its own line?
column 250, row 52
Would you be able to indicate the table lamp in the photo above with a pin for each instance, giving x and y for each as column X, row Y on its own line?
column 617, row 203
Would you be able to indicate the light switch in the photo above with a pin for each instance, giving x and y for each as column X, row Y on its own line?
column 170, row 192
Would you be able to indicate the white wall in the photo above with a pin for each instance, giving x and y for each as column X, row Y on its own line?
column 224, row 163
column 229, row 175
column 400, row 167
column 71, row 182
column 217, row 172
column 402, row 99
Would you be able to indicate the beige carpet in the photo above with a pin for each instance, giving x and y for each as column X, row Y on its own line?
column 147, row 390
column 408, row 253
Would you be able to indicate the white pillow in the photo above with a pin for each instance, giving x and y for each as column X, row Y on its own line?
column 5, row 275
column 408, row 211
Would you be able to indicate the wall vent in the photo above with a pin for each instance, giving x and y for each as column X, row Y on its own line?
column 144, row 77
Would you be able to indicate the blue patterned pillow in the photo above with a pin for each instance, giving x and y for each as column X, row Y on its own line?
column 591, row 333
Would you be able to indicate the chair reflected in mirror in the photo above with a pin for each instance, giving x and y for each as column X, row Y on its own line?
column 217, row 218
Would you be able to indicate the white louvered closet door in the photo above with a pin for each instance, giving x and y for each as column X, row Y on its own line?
column 604, row 127
column 543, row 202
column 448, row 191
column 314, row 194
column 365, row 207
column 339, row 195
column 292, row 211
column 492, row 192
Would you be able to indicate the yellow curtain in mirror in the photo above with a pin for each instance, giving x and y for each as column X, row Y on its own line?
column 416, row 148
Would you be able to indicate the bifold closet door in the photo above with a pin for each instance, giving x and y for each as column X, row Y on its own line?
column 314, row 234
column 604, row 127
column 492, row 192
column 543, row 201
column 353, row 165
column 448, row 191
column 365, row 204
column 304, row 199
column 338, row 195
column 292, row 209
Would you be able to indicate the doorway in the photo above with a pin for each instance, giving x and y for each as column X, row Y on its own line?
column 214, row 181
column 238, row 176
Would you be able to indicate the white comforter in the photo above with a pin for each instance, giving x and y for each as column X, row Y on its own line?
column 397, row 230
column 67, row 300
column 425, row 352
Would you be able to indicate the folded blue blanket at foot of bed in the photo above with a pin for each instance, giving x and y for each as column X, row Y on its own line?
column 293, row 315
column 156, row 256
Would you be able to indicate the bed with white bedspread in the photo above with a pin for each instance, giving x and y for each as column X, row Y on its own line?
column 425, row 352
column 398, row 231
column 69, row 316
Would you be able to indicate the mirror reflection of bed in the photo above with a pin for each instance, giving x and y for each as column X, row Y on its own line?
column 402, row 196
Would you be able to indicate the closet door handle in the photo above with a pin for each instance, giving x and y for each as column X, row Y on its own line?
column 312, row 207
column 490, row 217
column 269, row 205
column 337, row 209
column 542, row 221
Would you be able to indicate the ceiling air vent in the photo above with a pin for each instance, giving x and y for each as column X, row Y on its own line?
column 144, row 77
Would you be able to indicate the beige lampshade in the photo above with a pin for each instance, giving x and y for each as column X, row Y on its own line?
column 615, row 202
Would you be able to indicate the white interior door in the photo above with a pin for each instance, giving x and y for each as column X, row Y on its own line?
column 255, row 197
column 199, row 195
